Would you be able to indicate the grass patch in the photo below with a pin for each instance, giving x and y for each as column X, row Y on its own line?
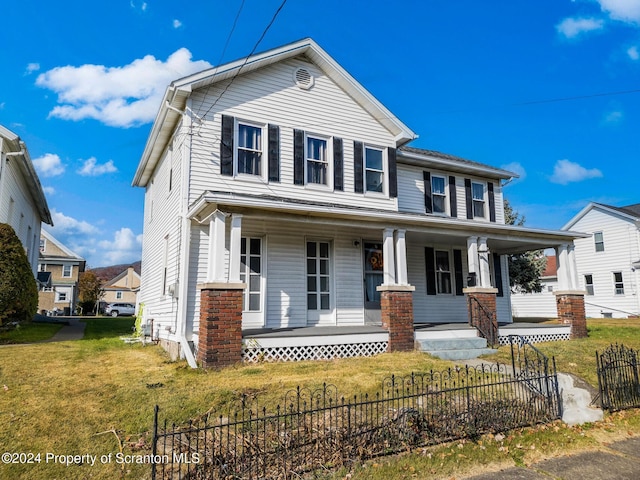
column 30, row 333
column 90, row 396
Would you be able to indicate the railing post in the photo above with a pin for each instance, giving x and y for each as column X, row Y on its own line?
column 154, row 443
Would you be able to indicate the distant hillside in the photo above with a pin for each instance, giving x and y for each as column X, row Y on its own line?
column 107, row 273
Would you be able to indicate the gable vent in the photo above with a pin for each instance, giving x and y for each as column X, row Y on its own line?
column 303, row 78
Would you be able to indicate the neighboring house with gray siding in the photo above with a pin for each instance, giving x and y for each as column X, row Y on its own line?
column 22, row 201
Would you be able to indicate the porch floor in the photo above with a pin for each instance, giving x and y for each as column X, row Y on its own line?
column 311, row 331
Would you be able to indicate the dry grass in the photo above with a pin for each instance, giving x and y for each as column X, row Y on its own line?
column 91, row 396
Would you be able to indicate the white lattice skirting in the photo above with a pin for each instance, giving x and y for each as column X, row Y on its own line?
column 311, row 352
column 538, row 338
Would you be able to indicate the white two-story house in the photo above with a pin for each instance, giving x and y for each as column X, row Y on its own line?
column 280, row 177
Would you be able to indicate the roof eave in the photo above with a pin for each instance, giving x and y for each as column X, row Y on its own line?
column 413, row 158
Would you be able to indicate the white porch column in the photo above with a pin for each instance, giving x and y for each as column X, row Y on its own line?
column 215, row 270
column 401, row 258
column 563, row 267
column 234, row 248
column 472, row 258
column 389, row 267
column 483, row 259
column 573, row 269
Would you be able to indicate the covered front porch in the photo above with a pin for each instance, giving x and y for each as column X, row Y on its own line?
column 326, row 343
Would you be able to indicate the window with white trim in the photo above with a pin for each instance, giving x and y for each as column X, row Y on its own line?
column 588, row 284
column 118, row 295
column 318, row 276
column 317, row 160
column 477, row 195
column 61, row 296
column 598, row 240
column 374, row 169
column 618, row 283
column 443, row 272
column 67, row 271
column 438, row 194
column 249, row 148
column 251, row 273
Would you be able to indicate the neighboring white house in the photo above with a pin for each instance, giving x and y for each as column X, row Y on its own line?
column 280, row 175
column 540, row 305
column 607, row 263
column 22, row 201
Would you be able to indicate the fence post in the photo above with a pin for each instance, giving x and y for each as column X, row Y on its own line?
column 154, row 444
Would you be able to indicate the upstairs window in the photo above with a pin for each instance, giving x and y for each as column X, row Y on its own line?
column 477, row 192
column 66, row 271
column 598, row 240
column 317, row 161
column 249, row 152
column 618, row 283
column 588, row 284
column 374, row 169
column 438, row 194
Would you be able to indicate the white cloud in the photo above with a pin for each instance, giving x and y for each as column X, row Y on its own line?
column 49, row 190
column 633, row 53
column 64, row 225
column 91, row 168
column 49, row 165
column 566, row 171
column 516, row 167
column 32, row 67
column 624, row 10
column 117, row 96
column 177, row 23
column 125, row 247
column 614, row 117
column 572, row 27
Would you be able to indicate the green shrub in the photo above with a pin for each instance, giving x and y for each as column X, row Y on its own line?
column 18, row 290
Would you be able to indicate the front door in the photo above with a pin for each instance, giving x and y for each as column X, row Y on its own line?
column 373, row 277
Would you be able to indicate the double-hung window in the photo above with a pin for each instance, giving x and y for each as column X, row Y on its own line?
column 588, row 284
column 618, row 283
column 250, row 148
column 317, row 160
column 374, row 169
column 598, row 239
column 67, row 270
column 438, row 194
column 477, row 195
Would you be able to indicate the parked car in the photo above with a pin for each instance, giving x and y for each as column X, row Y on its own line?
column 115, row 309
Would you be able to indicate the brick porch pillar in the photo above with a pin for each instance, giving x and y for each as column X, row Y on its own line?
column 571, row 311
column 482, row 311
column 396, row 303
column 220, row 331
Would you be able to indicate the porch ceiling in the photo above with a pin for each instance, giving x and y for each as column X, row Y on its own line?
column 502, row 239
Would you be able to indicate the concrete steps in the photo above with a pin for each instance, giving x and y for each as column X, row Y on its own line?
column 462, row 348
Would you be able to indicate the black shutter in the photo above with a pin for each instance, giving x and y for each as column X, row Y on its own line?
column 393, row 173
column 226, row 146
column 430, row 261
column 457, row 271
column 492, row 203
column 468, row 198
column 453, row 199
column 298, row 157
column 274, row 153
column 497, row 271
column 428, row 201
column 338, row 164
column 358, row 180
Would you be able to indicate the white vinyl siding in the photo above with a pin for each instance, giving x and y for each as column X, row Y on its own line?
column 270, row 96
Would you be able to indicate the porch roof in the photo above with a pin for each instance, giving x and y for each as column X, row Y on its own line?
column 501, row 238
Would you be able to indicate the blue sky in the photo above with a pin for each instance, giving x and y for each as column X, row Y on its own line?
column 547, row 88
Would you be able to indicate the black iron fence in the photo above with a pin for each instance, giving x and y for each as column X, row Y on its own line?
column 618, row 375
column 320, row 430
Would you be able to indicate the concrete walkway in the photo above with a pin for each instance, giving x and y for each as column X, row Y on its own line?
column 617, row 461
column 73, row 331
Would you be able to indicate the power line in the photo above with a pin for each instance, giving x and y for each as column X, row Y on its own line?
column 235, row 75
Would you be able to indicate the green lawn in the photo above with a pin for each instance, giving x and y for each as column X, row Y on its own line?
column 96, row 396
column 30, row 333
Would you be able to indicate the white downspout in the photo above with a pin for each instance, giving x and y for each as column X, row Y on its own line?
column 185, row 249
